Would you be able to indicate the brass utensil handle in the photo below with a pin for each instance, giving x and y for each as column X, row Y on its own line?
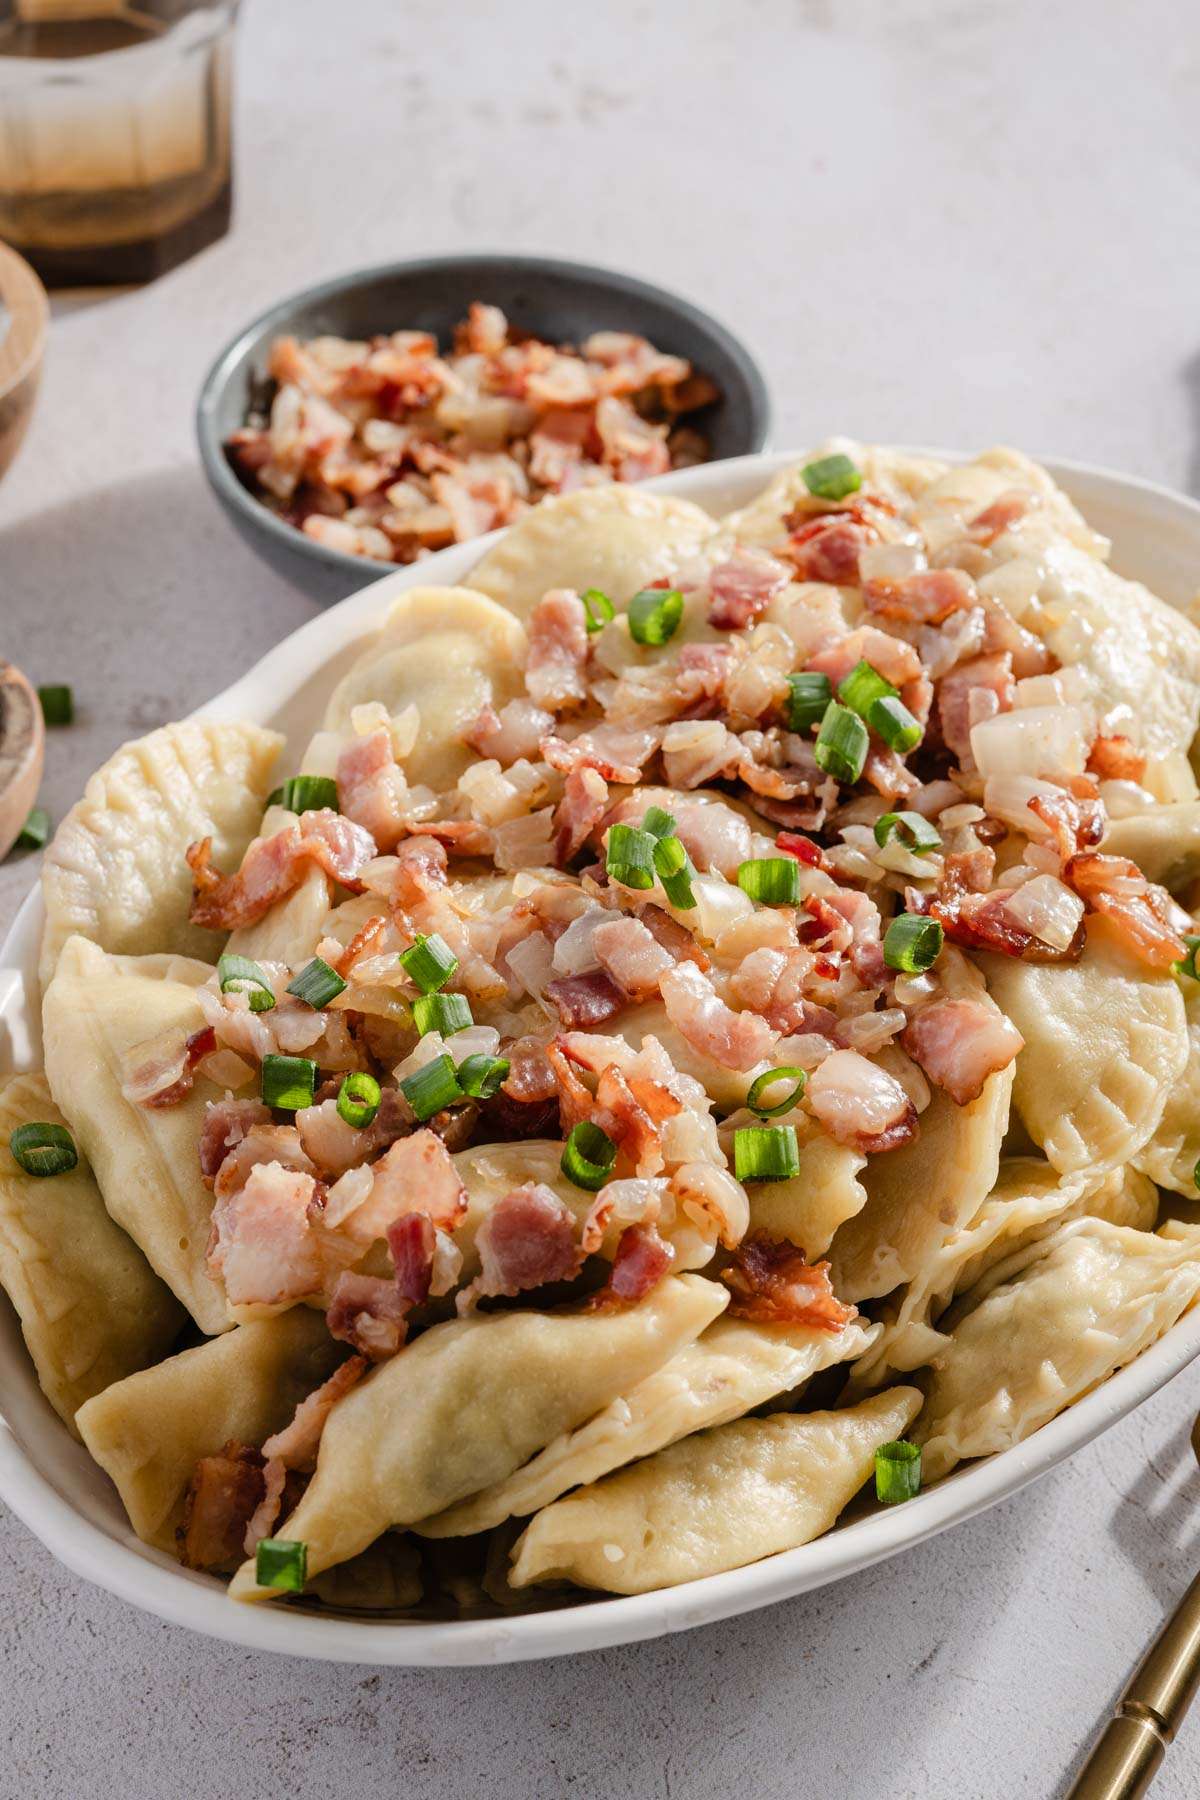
column 1129, row 1751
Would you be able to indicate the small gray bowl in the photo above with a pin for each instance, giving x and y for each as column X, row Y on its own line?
column 560, row 301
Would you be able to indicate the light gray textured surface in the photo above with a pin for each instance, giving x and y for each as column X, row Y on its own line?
column 940, row 222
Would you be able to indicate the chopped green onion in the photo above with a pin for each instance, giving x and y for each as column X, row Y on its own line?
column 238, row 975
column 58, row 705
column 654, row 615
column 598, row 607
column 895, row 725
column 306, row 793
column 765, row 1153
column 34, row 831
column 430, row 962
column 674, row 869
column 288, row 1082
column 482, row 1076
column 808, row 696
column 442, row 1012
column 431, row 1089
column 762, row 1082
column 912, row 943
column 658, row 822
column 842, row 744
column 1187, row 964
column 630, row 856
column 914, row 830
column 358, row 1099
column 862, row 687
column 832, row 477
column 281, row 1563
column 43, row 1149
column 897, row 1472
column 317, row 984
column 588, row 1156
column 772, row 880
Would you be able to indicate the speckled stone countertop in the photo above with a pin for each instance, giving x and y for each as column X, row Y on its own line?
column 936, row 222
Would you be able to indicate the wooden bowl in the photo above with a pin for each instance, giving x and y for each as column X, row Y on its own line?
column 22, row 346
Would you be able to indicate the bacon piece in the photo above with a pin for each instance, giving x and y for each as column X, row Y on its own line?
column 967, row 872
column 743, row 587
column 630, row 1112
column 827, row 548
column 860, row 1104
column 634, row 448
column 628, row 951
column 296, row 1445
column 420, row 874
column 368, row 1312
column 1116, row 758
column 585, row 999
column 226, row 1122
column 959, row 1043
column 168, row 1076
column 793, row 843
column 525, row 1241
column 675, row 938
column 272, row 867
column 640, row 1262
column 925, row 598
column 615, row 752
column 1074, row 822
column 1142, row 913
column 510, row 734
column 412, row 1241
column 771, row 982
column 895, row 660
column 982, row 922
column 714, row 835
column 262, row 1246
column 260, row 1143
column 1001, row 515
column 735, row 1040
column 362, row 944
column 416, row 1175
column 772, row 1281
column 530, row 1079
column 974, row 691
column 224, row 1492
column 262, row 1519
column 371, row 788
column 333, row 1146
column 558, row 651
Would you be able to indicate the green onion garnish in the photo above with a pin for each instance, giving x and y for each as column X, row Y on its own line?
column 358, row 1099
column 58, row 705
column 288, row 1082
column 482, row 1076
column 442, row 1012
column 431, row 1089
column 897, row 1472
column 658, row 822
column 238, row 975
column 43, row 1149
column 862, row 687
column 1187, row 964
column 772, row 880
column 598, row 607
column 765, row 1153
column 654, row 615
column 281, row 1563
column 588, row 1156
column 808, row 696
column 762, row 1082
column 842, row 744
column 914, row 830
column 895, row 725
column 317, row 984
column 34, row 831
column 674, row 869
column 430, row 962
column 629, row 858
column 832, row 477
column 912, row 943
column 306, row 793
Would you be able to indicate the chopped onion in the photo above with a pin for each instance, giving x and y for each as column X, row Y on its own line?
column 1066, row 687
column 951, row 817
column 1015, row 584
column 890, row 562
column 718, row 904
column 872, row 1030
column 1039, row 740
column 1124, row 798
column 1047, row 909
column 532, row 962
column 1007, row 797
column 573, row 952
column 225, row 1068
column 321, row 757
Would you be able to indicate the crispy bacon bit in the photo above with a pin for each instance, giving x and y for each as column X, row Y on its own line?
column 585, row 999
column 261, row 1245
column 1001, row 515
column 362, row 944
column 616, row 752
column 333, row 1146
column 525, row 1241
column 297, row 1444
column 370, row 1313
column 630, row 1110
column 860, row 1104
column 967, row 872
column 982, row 922
column 959, row 1043
column 262, row 1519
column 371, row 788
column 558, row 651
column 416, row 1175
column 420, row 874
column 970, row 693
column 510, row 734
column 583, row 805
column 222, row 1497
column 641, row 1260
column 273, row 866
column 1074, row 822
column 771, row 1281
column 412, row 1240
column 772, row 982
column 1116, row 758
column 530, row 1079
column 925, row 598
column 226, row 1122
column 794, row 843
column 895, row 660
column 735, row 1040
column 675, row 938
column 743, row 587
column 828, row 548
column 260, row 1144
column 628, row 951
column 167, row 1077
column 1143, row 914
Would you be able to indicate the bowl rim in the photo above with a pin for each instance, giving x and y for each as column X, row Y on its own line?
column 230, row 490
column 116, row 1561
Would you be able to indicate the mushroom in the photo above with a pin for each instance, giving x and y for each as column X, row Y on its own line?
column 22, row 744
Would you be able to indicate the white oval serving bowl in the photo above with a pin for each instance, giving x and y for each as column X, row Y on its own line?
column 52, row 1484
